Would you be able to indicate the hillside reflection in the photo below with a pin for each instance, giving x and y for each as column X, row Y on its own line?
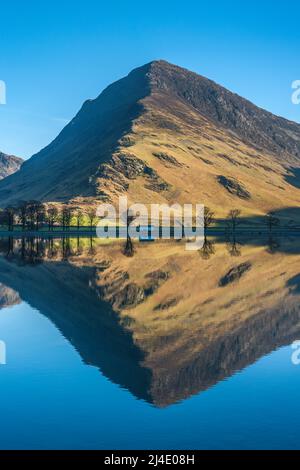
column 163, row 323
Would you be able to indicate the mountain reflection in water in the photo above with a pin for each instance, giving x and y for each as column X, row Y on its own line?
column 162, row 322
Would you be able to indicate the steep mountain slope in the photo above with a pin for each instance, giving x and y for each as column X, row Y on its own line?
column 164, row 134
column 9, row 165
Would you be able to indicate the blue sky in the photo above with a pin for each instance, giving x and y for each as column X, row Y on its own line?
column 55, row 55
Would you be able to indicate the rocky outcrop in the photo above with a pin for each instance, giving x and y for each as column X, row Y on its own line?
column 234, row 187
column 124, row 167
column 167, row 159
column 9, row 164
column 234, row 274
column 123, row 293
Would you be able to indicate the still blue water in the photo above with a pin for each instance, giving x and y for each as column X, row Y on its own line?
column 152, row 349
column 50, row 399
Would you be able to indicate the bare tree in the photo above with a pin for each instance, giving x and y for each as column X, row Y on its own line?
column 52, row 216
column 66, row 217
column 66, row 247
column 31, row 214
column 233, row 216
column 129, row 248
column 69, row 216
column 208, row 248
column 92, row 250
column 3, row 217
column 22, row 209
column 272, row 221
column 40, row 213
column 130, row 218
column 233, row 247
column 79, row 218
column 63, row 216
column 208, row 217
column 92, row 214
column 9, row 217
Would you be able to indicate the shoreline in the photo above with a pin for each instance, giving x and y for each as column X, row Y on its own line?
column 208, row 232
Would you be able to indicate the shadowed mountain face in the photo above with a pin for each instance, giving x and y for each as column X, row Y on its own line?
column 165, row 134
column 123, row 315
column 9, row 165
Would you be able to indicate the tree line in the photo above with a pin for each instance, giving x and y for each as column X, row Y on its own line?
column 35, row 215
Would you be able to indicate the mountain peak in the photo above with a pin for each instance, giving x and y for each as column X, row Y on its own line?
column 253, row 124
column 164, row 133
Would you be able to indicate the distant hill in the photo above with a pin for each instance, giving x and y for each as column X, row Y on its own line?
column 9, row 165
column 165, row 134
column 8, row 297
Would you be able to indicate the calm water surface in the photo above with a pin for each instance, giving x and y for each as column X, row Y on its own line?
column 156, row 348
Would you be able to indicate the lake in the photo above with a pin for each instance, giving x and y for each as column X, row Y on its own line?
column 156, row 348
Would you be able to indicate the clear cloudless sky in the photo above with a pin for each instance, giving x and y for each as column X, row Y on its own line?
column 56, row 54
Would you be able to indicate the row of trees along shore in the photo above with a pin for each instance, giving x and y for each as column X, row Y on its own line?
column 34, row 215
